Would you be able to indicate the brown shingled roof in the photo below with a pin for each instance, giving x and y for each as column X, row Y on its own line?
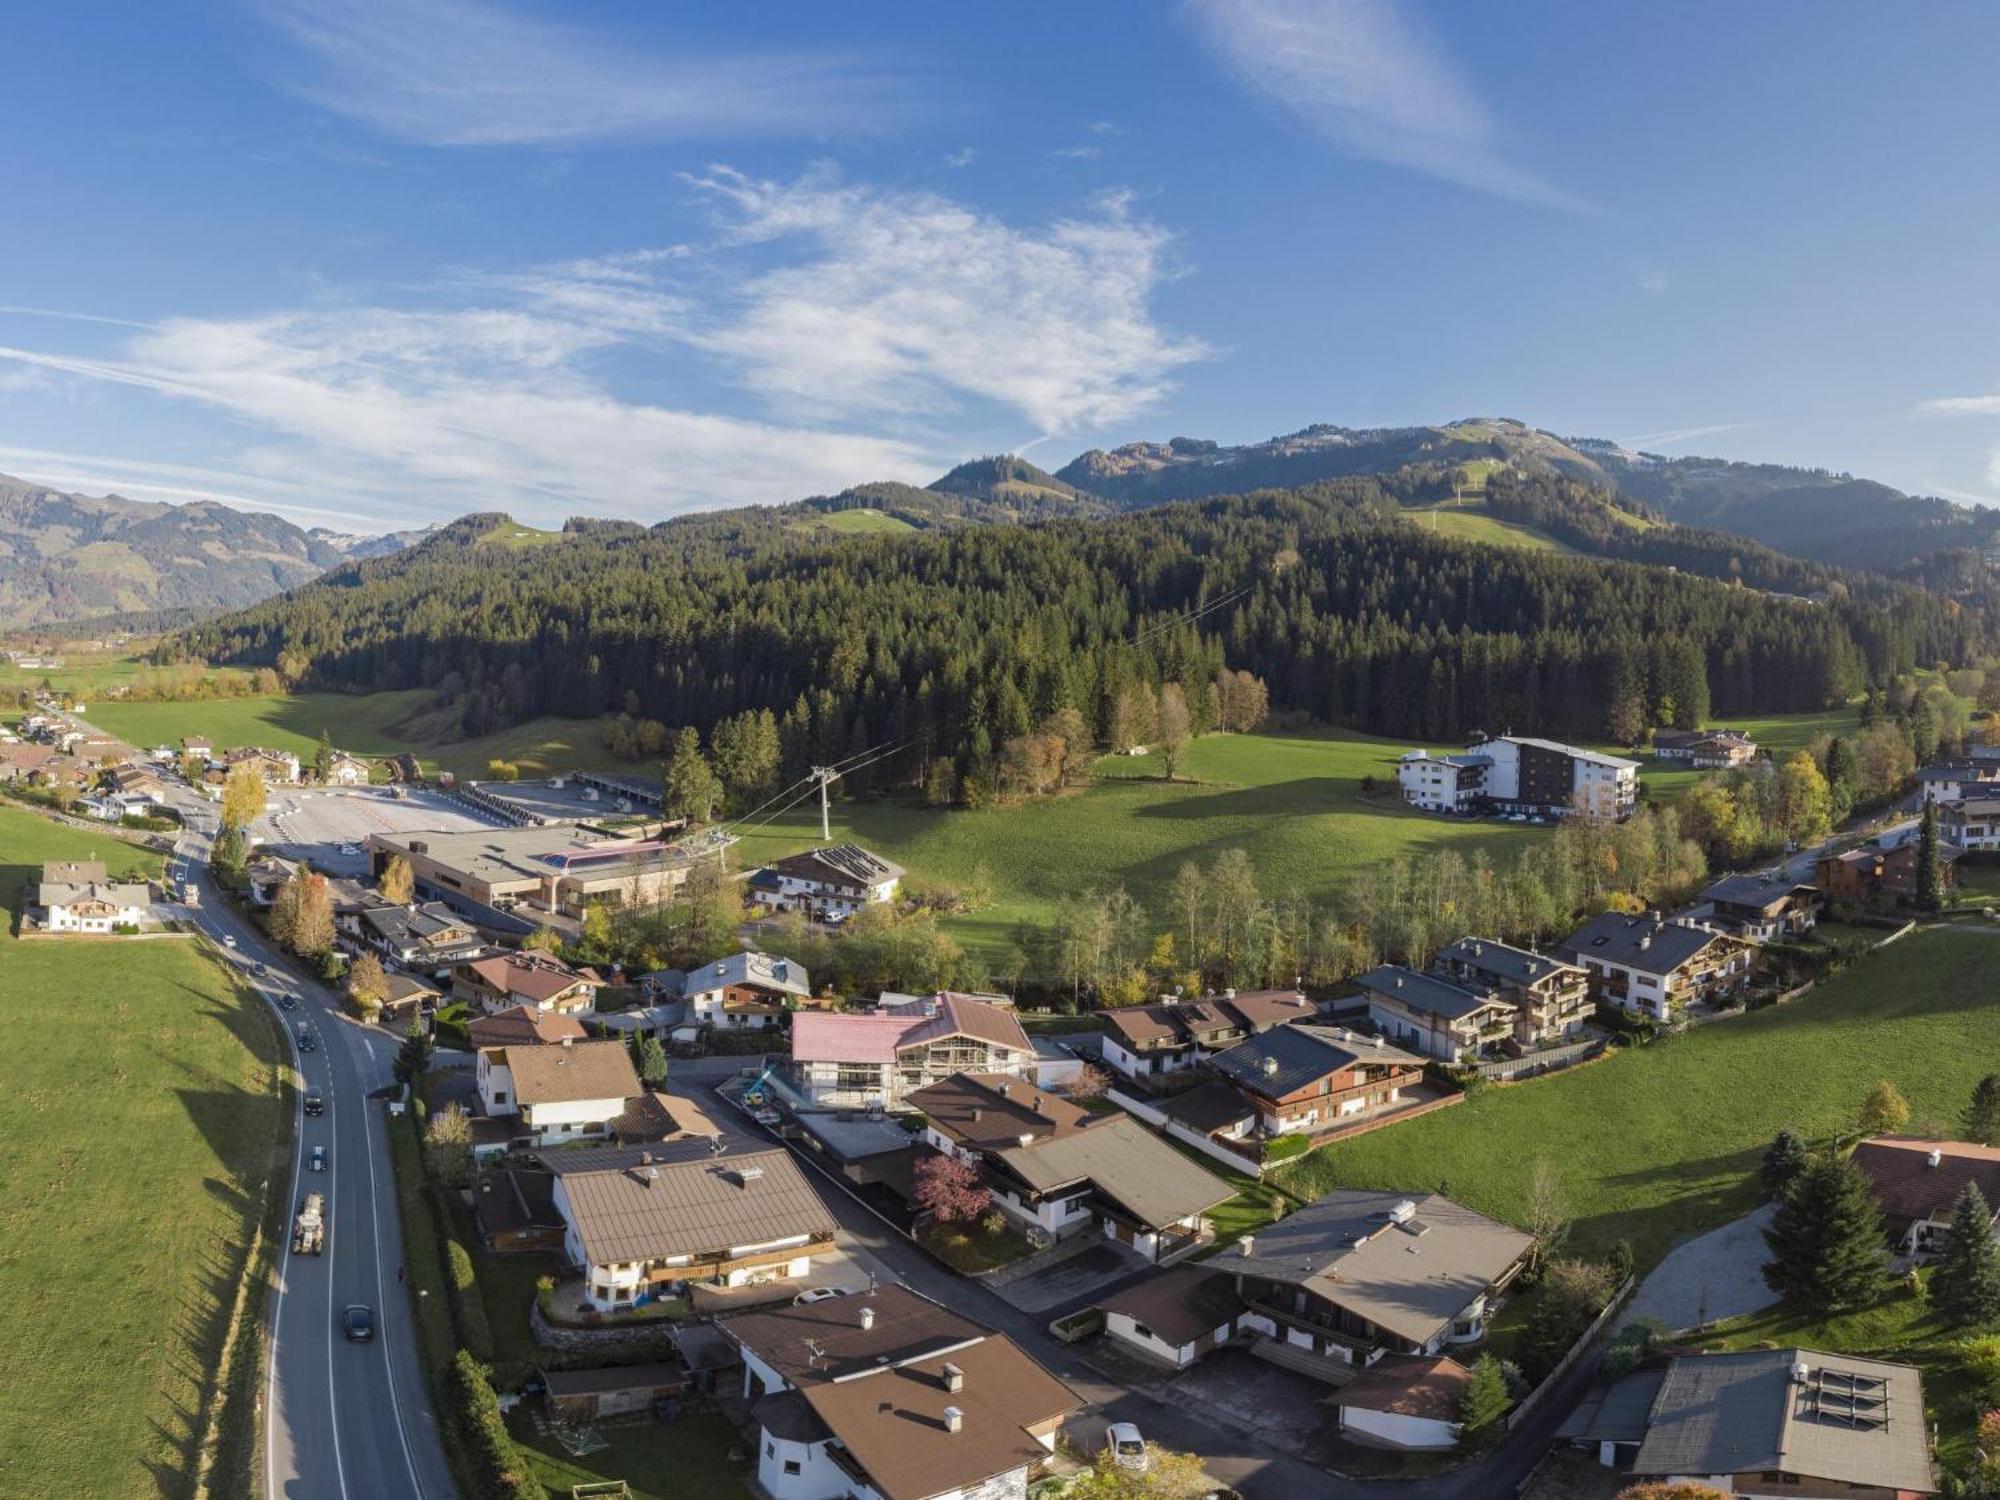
column 1909, row 1188
column 992, row 1111
column 1179, row 1305
column 1409, row 1385
column 570, row 1071
column 523, row 1026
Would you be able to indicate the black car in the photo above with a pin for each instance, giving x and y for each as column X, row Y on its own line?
column 306, row 1040
column 358, row 1323
column 288, row 1002
column 315, row 1102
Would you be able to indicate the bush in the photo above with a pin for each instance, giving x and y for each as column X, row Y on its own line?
column 473, row 1412
column 1980, row 1359
column 1285, row 1147
column 468, row 1308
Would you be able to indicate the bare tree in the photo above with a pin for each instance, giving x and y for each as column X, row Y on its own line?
column 1544, row 1214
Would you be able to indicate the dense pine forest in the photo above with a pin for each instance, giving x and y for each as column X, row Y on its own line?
column 955, row 641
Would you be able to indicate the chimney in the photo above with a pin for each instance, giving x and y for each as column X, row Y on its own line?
column 566, row 1041
column 1935, row 1159
column 954, row 1419
column 1270, row 1067
column 1378, row 1042
column 1027, row 1138
column 1248, row 1245
column 976, row 1113
column 652, row 1177
column 954, row 1378
column 867, row 1318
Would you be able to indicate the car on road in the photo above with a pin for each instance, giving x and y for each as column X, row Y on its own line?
column 307, row 1041
column 357, row 1321
column 315, row 1102
column 1127, row 1448
column 834, row 918
column 229, row 940
column 319, row 1159
column 259, row 970
column 288, row 1001
column 818, row 1294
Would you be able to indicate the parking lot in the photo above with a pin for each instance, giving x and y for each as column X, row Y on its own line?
column 323, row 825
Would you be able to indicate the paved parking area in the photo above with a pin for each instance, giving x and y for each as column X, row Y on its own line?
column 1075, row 1280
column 315, row 824
column 1711, row 1277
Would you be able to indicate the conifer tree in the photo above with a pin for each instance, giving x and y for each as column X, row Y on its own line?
column 1784, row 1159
column 1982, row 1115
column 1930, row 868
column 1965, row 1287
column 1826, row 1239
column 1483, row 1406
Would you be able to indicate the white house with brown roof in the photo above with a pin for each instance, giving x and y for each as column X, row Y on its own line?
column 277, row 767
column 540, row 980
column 879, row 1057
column 565, row 1092
column 1153, row 1041
column 835, row 881
column 523, row 1026
column 887, row 1395
column 1408, row 1402
column 642, row 1221
column 346, row 770
column 80, row 896
column 1917, row 1183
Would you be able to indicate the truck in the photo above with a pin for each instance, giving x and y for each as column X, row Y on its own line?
column 309, row 1231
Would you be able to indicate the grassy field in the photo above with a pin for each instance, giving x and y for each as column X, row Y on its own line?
column 140, row 1106
column 1780, row 734
column 685, row 1460
column 1474, row 523
column 1660, row 1142
column 1291, row 801
column 1901, row 1327
column 851, row 521
column 81, row 672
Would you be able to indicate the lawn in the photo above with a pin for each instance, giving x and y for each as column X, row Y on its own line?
column 1780, row 734
column 1474, row 523
column 28, row 841
column 1292, row 801
column 1660, row 1142
column 683, row 1460
column 1902, row 1328
column 850, row 521
column 139, row 1099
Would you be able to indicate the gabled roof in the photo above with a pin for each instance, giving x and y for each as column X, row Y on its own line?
column 1180, row 1304
column 1405, row 1262
column 1409, row 1385
column 1909, row 1188
column 991, row 1111
column 1645, row 943
column 523, row 1026
column 1426, row 992
column 570, row 1072
column 1125, row 1162
column 951, row 1014
column 1286, row 1059
column 536, row 975
column 839, row 864
column 1593, row 757
column 764, row 971
column 1514, row 965
column 684, row 1198
column 1765, row 892
column 1208, row 1106
column 1831, row 1417
column 1190, row 1020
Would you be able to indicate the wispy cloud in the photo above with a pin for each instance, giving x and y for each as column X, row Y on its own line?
column 1655, row 283
column 1078, row 153
column 1675, row 436
column 963, row 157
column 1361, row 74
column 466, row 73
column 1958, row 406
column 873, row 330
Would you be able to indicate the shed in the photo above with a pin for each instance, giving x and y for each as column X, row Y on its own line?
column 585, row 1395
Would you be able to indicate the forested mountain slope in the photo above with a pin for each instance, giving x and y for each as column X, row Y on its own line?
column 957, row 641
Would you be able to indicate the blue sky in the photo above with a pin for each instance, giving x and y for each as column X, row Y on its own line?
column 374, row 262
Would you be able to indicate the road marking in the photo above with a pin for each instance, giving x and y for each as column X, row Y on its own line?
column 395, row 1395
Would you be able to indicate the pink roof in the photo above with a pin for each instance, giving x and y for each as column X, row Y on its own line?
column 818, row 1036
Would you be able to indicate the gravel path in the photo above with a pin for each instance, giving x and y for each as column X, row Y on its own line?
column 1711, row 1277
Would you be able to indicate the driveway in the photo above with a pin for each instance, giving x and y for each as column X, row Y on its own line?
column 1069, row 1281
column 1711, row 1277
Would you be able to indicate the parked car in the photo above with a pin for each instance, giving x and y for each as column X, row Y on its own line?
column 319, row 1159
column 357, row 1321
column 315, row 1102
column 818, row 1294
column 1127, row 1447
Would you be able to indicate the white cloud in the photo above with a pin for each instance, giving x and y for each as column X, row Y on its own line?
column 963, row 157
column 464, row 73
column 1360, row 74
column 879, row 329
column 1655, row 283
column 1958, row 406
column 899, row 303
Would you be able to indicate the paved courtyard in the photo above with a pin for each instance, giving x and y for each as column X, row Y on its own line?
column 316, row 824
column 1711, row 1277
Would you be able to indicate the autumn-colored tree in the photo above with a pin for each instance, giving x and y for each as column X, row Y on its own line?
column 399, row 883
column 949, row 1190
column 367, row 986
column 1090, row 1083
column 1884, row 1109
column 1169, row 1475
column 1672, row 1489
column 1172, row 728
column 244, row 797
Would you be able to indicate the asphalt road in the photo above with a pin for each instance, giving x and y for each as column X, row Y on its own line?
column 344, row 1420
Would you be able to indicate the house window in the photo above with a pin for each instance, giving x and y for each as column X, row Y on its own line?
column 499, row 1096
column 791, row 1466
column 1142, row 1330
column 770, row 1449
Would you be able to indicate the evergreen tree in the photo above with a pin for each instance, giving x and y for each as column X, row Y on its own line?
column 651, row 1063
column 1930, row 867
column 1826, row 1240
column 1982, row 1115
column 323, row 755
column 1483, row 1406
column 414, row 1056
column 1784, row 1160
column 1966, row 1284
column 689, row 784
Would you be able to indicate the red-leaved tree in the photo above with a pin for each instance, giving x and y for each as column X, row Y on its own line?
column 948, row 1188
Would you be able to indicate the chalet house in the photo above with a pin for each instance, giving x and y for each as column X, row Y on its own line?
column 835, row 881
column 879, row 1058
column 1443, row 783
column 430, row 937
column 199, row 745
column 277, row 767
column 745, row 991
column 1704, row 749
column 1957, row 780
column 1551, row 999
column 346, row 770
column 1337, row 1287
column 266, row 876
column 523, row 1026
column 525, row 978
column 1758, row 908
column 1972, row 824
column 408, row 998
column 1311, row 1078
column 1917, row 1183
column 138, row 782
column 642, row 1221
column 1435, row 1016
column 887, row 1395
column 26, row 763
column 1059, row 1169
column 1766, row 1423
column 80, row 896
column 1648, row 966
column 570, row 1091
column 1876, row 874
column 1152, row 1041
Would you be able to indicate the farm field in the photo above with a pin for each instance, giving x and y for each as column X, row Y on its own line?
column 1781, row 734
column 864, row 519
column 124, row 1221
column 1660, row 1142
column 1473, row 523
